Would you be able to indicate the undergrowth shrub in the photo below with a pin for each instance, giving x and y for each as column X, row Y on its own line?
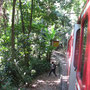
column 40, row 66
column 13, row 75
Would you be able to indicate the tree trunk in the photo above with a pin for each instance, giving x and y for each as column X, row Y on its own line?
column 23, row 27
column 31, row 18
column 5, row 19
column 30, row 27
column 49, row 53
column 23, row 30
column 13, row 31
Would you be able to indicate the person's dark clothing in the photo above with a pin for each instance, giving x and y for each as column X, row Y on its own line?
column 53, row 69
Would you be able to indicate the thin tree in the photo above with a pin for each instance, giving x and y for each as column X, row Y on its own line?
column 23, row 27
column 23, row 30
column 30, row 27
column 5, row 19
column 13, row 31
column 31, row 17
column 1, row 2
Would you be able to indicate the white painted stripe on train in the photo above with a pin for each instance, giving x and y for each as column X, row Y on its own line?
column 77, row 85
column 85, row 9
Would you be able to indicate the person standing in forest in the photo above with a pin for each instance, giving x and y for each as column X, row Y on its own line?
column 53, row 69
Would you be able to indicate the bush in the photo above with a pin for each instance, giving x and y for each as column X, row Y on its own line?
column 14, row 75
column 8, row 85
column 40, row 66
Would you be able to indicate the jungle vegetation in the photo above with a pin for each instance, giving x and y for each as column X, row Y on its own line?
column 27, row 29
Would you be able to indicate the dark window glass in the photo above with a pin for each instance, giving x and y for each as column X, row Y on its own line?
column 83, row 48
column 76, row 48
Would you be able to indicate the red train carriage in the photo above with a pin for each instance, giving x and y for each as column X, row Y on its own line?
column 80, row 57
column 83, row 67
column 72, row 54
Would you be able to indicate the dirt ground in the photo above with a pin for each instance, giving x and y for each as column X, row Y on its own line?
column 45, row 82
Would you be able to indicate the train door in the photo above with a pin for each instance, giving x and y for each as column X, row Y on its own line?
column 83, row 71
column 72, row 75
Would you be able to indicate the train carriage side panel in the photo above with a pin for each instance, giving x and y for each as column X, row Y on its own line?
column 83, row 71
column 72, row 77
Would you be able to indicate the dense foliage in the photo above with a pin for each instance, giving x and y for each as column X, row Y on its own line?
column 27, row 29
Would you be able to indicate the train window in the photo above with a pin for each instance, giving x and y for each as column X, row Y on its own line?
column 76, row 48
column 83, row 48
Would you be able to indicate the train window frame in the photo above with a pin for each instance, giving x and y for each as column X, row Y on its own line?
column 84, row 42
column 77, row 44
